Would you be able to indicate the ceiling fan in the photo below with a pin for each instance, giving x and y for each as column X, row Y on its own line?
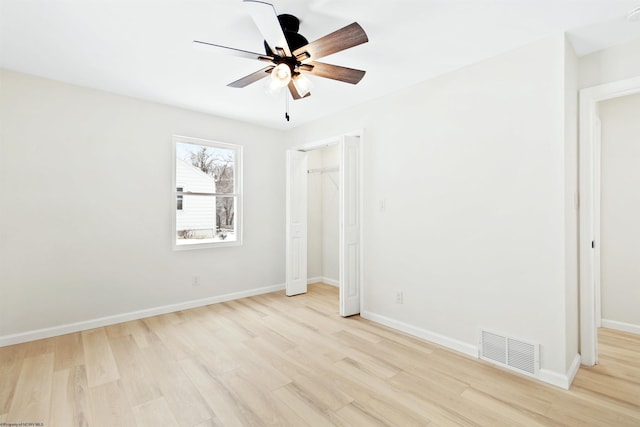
column 290, row 55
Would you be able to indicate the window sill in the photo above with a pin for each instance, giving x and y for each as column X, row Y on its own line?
column 204, row 244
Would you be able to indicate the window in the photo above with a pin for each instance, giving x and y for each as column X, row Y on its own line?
column 207, row 203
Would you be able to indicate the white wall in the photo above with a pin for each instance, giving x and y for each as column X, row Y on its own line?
column 323, row 214
column 620, row 210
column 314, row 216
column 85, row 213
column 331, row 215
column 571, row 208
column 610, row 65
column 472, row 167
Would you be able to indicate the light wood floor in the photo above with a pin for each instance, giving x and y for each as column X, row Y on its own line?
column 273, row 360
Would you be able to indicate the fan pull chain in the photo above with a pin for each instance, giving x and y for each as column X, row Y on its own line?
column 286, row 105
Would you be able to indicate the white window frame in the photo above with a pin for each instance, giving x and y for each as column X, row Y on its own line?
column 237, row 193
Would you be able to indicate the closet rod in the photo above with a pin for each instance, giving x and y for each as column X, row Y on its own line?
column 323, row 170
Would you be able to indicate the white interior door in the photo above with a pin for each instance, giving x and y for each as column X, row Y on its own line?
column 296, row 227
column 350, row 273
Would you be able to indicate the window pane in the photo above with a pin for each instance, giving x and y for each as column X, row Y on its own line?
column 196, row 219
column 226, row 217
column 205, row 219
column 196, row 162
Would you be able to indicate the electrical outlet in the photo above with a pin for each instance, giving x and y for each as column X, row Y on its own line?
column 399, row 297
column 195, row 281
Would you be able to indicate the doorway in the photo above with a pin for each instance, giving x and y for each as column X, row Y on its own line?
column 620, row 210
column 323, row 204
column 346, row 175
column 590, row 210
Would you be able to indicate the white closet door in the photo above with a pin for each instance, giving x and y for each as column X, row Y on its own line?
column 350, row 273
column 296, row 227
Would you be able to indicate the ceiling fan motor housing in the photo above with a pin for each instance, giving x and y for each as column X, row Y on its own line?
column 290, row 26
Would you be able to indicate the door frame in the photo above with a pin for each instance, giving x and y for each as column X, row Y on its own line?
column 589, row 182
column 338, row 140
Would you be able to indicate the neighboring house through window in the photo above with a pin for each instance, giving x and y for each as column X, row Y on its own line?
column 208, row 200
column 180, row 196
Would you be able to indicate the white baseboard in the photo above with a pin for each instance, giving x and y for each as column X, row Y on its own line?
column 442, row 340
column 550, row 377
column 331, row 282
column 621, row 326
column 560, row 380
column 324, row 280
column 124, row 317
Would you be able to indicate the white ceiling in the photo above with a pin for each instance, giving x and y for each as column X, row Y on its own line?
column 143, row 48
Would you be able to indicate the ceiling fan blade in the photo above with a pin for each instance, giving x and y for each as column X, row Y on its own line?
column 294, row 91
column 344, row 38
column 232, row 51
column 252, row 78
column 265, row 17
column 335, row 72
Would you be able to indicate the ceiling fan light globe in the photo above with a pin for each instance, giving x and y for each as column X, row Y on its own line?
column 303, row 85
column 272, row 87
column 281, row 75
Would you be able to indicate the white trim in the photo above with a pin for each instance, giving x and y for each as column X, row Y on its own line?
column 621, row 326
column 442, row 340
column 125, row 317
column 590, row 210
column 322, row 279
column 332, row 282
column 559, row 380
column 597, row 165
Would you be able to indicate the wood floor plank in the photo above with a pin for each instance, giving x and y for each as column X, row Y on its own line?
column 100, row 364
column 155, row 413
column 181, row 395
column 355, row 414
column 277, row 360
column 38, row 347
column 69, row 351
column 305, row 408
column 135, row 379
column 109, row 406
column 427, row 405
column 618, row 389
column 142, row 334
column 11, row 360
column 515, row 415
column 268, row 408
column 32, row 398
column 318, row 389
column 70, row 405
column 226, row 406
column 180, row 343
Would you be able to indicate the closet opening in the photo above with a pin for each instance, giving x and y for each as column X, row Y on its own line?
column 323, row 219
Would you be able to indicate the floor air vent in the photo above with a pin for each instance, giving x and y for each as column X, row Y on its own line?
column 509, row 352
